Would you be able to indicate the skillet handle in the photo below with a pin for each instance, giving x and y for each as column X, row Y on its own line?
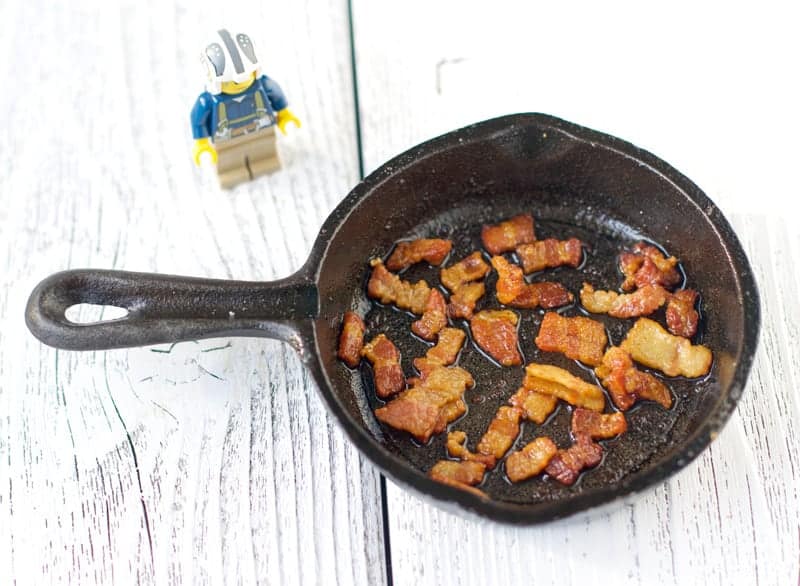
column 167, row 308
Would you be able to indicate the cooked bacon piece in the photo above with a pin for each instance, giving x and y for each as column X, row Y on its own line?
column 643, row 301
column 385, row 359
column 647, row 265
column 629, row 264
column 579, row 338
column 462, row 302
column 444, row 353
column 456, row 448
column 626, row 384
column 549, row 254
column 535, row 406
column 463, row 475
column 682, row 317
column 567, row 464
column 351, row 340
column 471, row 268
column 557, row 382
column 506, row 236
column 459, row 279
column 495, row 331
column 431, row 250
column 530, row 460
column 511, row 288
column 545, row 294
column 647, row 342
column 428, row 406
column 502, row 432
column 450, row 413
column 433, row 319
column 387, row 288
column 597, row 425
column 510, row 280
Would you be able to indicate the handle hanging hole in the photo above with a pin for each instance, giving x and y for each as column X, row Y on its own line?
column 89, row 313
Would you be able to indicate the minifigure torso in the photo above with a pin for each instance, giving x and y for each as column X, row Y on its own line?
column 224, row 116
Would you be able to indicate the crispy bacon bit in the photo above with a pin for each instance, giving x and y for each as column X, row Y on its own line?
column 462, row 302
column 647, row 265
column 387, row 288
column 579, row 338
column 431, row 250
column 450, row 413
column 643, row 301
column 682, row 317
column 567, row 464
column 650, row 344
column 502, row 432
column 535, row 406
column 463, row 475
column 495, row 331
column 351, row 340
column 510, row 280
column 511, row 288
column 385, row 359
column 626, row 384
column 549, row 254
column 456, row 448
column 597, row 425
column 459, row 279
column 546, row 294
column 557, row 382
column 471, row 268
column 428, row 406
column 530, row 460
column 444, row 353
column 433, row 319
column 506, row 236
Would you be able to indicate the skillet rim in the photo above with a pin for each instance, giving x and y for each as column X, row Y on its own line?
column 448, row 498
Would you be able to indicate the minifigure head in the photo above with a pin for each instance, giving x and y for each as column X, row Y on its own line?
column 230, row 62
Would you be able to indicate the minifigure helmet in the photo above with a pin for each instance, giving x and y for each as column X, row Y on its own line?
column 229, row 58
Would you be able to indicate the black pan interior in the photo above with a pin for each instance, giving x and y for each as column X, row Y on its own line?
column 576, row 183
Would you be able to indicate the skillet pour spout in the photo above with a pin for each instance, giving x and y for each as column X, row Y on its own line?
column 573, row 180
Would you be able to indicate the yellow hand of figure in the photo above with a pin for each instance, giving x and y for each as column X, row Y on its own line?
column 284, row 117
column 202, row 146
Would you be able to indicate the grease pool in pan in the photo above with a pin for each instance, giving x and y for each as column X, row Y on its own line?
column 648, row 423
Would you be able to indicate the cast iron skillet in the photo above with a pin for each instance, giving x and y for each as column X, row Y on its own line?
column 575, row 181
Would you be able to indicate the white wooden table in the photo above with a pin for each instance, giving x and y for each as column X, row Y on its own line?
column 215, row 462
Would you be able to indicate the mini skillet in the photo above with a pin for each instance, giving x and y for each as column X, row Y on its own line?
column 576, row 182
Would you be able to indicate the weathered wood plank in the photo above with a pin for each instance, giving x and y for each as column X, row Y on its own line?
column 209, row 462
column 680, row 84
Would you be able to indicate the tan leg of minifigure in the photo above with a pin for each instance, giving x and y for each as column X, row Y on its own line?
column 246, row 157
column 265, row 165
column 232, row 162
column 262, row 157
column 232, row 178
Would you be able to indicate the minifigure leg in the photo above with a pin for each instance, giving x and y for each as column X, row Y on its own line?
column 244, row 158
column 232, row 162
column 264, row 165
column 233, row 177
column 262, row 157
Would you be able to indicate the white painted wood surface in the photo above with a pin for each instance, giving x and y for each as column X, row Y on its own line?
column 223, row 444
column 209, row 463
column 709, row 89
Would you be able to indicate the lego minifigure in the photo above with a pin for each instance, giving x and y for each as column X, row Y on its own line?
column 234, row 120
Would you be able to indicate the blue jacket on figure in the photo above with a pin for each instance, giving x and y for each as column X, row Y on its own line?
column 222, row 116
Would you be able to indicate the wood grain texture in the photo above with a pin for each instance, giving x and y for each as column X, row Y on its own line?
column 203, row 463
column 731, row 517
